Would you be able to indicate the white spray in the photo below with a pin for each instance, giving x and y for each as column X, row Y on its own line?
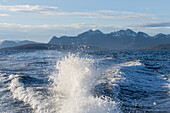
column 73, row 83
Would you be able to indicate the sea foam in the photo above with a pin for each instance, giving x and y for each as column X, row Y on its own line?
column 74, row 81
column 71, row 89
column 29, row 95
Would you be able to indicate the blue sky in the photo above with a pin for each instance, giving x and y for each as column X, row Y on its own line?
column 39, row 20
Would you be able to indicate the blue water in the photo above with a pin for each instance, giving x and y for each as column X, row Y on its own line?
column 49, row 81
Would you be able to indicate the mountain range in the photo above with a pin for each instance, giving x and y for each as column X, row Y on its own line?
column 122, row 39
column 8, row 43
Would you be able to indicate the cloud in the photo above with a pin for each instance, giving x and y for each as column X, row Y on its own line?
column 77, row 26
column 46, row 26
column 44, row 33
column 46, row 10
column 152, row 28
column 126, row 15
column 4, row 14
column 131, row 17
column 28, row 8
column 100, row 14
column 124, row 12
column 155, row 24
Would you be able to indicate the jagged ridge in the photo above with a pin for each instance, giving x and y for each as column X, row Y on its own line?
column 123, row 39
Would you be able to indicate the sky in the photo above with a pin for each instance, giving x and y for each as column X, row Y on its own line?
column 40, row 20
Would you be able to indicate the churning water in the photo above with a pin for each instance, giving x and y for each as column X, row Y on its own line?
column 84, row 82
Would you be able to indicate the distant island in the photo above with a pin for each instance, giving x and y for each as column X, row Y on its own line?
column 158, row 47
column 95, row 39
column 8, row 43
column 41, row 46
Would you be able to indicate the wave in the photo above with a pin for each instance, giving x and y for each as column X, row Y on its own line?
column 71, row 89
column 112, row 77
column 34, row 96
column 75, row 80
column 81, row 84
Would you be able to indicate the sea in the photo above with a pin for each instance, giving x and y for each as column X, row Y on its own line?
column 85, row 81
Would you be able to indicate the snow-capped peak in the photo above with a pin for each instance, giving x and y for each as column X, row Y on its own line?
column 93, row 29
column 142, row 34
column 127, row 32
column 91, row 32
column 160, row 35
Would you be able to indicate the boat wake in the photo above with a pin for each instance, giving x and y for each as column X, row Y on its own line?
column 81, row 85
column 71, row 89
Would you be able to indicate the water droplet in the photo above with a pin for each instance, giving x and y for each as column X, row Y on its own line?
column 154, row 103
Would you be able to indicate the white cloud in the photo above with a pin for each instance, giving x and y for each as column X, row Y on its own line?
column 100, row 14
column 4, row 14
column 46, row 26
column 44, row 33
column 125, row 15
column 46, row 10
column 124, row 12
column 132, row 17
column 28, row 8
